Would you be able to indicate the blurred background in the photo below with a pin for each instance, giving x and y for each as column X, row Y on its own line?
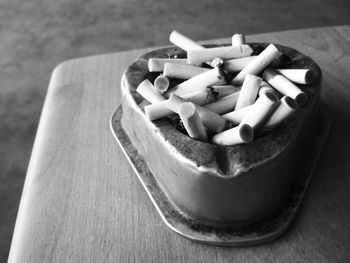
column 36, row 35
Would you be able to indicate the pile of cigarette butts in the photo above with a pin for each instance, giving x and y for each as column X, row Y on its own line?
column 247, row 104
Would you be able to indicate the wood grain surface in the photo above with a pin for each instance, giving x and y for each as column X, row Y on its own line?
column 83, row 203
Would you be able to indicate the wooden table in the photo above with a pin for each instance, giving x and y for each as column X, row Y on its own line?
column 82, row 201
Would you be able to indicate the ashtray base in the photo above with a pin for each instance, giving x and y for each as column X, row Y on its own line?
column 264, row 231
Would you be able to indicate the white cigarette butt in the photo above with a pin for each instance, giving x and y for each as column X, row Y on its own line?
column 157, row 64
column 286, row 108
column 149, row 92
column 200, row 97
column 237, row 135
column 258, row 64
column 238, row 39
column 211, row 120
column 249, row 91
column 199, row 56
column 174, row 70
column 300, row 76
column 224, row 90
column 284, row 86
column 192, row 122
column 184, row 42
column 237, row 64
column 265, row 87
column 237, row 116
column 261, row 110
column 159, row 110
column 224, row 104
column 161, row 83
column 199, row 82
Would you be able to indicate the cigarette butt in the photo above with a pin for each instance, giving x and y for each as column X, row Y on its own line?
column 157, row 64
column 159, row 110
column 300, row 76
column 249, row 91
column 201, row 97
column 224, row 90
column 265, row 87
column 237, row 135
column 211, row 120
column 238, row 39
column 161, row 83
column 285, row 109
column 224, row 104
column 149, row 92
column 258, row 64
column 174, row 102
column 199, row 56
column 192, row 122
column 184, row 42
column 237, row 64
column 284, row 86
column 173, row 70
column 199, row 82
column 237, row 116
column 261, row 110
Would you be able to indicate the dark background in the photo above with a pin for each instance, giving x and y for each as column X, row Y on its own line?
column 36, row 35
